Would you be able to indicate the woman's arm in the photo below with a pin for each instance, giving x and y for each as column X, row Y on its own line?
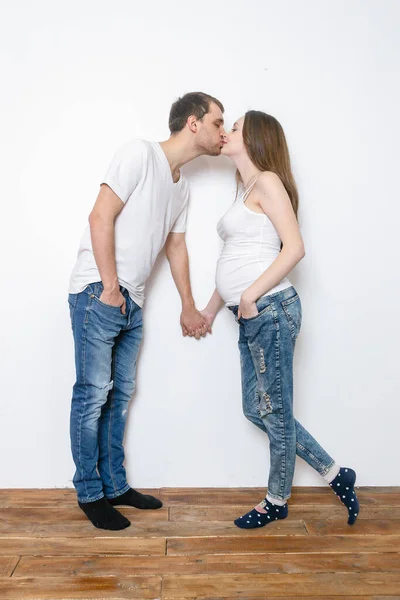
column 213, row 307
column 273, row 199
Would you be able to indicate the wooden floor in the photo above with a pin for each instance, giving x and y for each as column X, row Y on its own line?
column 191, row 549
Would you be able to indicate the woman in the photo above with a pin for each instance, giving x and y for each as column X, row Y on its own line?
column 262, row 245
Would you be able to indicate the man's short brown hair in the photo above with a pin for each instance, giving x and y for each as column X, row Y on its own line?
column 193, row 103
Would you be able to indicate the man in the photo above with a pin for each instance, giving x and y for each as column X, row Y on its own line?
column 142, row 205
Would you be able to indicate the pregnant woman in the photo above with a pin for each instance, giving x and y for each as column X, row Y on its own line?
column 262, row 244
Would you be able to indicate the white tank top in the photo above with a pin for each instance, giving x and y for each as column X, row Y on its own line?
column 251, row 246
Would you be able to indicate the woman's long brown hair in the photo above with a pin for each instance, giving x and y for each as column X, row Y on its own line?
column 266, row 146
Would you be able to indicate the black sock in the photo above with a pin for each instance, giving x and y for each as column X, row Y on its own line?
column 255, row 518
column 136, row 499
column 343, row 486
column 103, row 515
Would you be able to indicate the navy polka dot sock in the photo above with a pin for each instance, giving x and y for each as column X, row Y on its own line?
column 255, row 518
column 343, row 486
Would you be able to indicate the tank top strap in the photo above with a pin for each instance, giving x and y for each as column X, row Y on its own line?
column 247, row 192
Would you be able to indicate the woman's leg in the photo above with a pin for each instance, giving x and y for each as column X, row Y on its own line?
column 268, row 402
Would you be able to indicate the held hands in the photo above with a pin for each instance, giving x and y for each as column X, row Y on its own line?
column 193, row 323
column 209, row 318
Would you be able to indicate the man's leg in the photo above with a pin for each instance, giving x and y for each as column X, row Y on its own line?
column 115, row 412
column 95, row 327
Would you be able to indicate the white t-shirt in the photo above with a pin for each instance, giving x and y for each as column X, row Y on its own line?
column 141, row 177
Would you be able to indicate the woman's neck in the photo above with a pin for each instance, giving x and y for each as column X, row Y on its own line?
column 248, row 171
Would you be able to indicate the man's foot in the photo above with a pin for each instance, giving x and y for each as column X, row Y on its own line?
column 136, row 499
column 103, row 515
column 263, row 514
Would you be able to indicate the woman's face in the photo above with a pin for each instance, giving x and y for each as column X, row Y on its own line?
column 234, row 140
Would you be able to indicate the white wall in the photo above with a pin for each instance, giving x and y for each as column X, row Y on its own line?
column 80, row 78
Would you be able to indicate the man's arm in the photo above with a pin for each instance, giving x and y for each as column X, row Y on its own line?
column 102, row 231
column 192, row 322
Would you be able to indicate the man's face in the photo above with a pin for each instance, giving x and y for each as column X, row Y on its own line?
column 210, row 133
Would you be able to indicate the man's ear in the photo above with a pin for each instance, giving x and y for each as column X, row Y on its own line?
column 192, row 123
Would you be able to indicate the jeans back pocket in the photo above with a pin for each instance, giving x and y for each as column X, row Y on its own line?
column 292, row 309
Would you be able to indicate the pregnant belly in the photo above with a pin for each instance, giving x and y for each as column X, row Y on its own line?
column 235, row 274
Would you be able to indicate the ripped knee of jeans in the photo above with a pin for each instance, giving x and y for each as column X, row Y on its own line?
column 263, row 366
column 265, row 404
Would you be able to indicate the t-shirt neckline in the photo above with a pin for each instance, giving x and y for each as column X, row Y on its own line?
column 168, row 165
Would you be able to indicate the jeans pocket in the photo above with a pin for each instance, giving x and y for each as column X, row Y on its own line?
column 292, row 309
column 95, row 291
column 72, row 302
column 110, row 306
column 261, row 312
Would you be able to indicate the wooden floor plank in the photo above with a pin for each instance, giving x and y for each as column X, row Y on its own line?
column 147, row 528
column 208, row 496
column 57, row 588
column 297, row 511
column 249, row 496
column 299, row 585
column 308, row 544
column 52, row 566
column 18, row 519
column 36, row 498
column 53, row 498
column 33, row 546
column 336, row 526
column 12, row 517
column 7, row 565
column 324, row 597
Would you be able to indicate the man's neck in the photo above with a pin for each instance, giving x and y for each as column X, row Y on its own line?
column 178, row 152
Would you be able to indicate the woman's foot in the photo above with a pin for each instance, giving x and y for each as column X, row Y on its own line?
column 263, row 514
column 343, row 486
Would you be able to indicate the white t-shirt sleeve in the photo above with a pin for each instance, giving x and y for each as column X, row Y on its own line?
column 125, row 170
column 180, row 223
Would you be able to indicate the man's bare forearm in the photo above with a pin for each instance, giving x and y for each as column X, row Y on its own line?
column 179, row 263
column 192, row 322
column 102, row 231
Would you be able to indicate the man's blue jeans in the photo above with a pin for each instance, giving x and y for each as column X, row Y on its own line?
column 106, row 348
